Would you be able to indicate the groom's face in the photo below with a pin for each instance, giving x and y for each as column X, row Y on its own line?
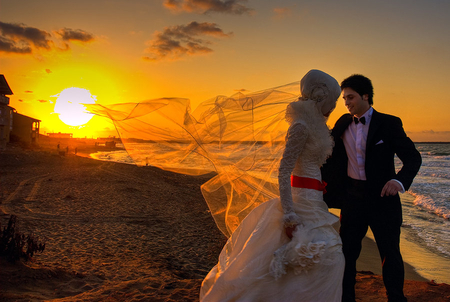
column 356, row 104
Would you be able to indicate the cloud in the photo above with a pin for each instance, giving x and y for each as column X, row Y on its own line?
column 290, row 12
column 68, row 34
column 48, row 71
column 42, row 101
column 281, row 13
column 181, row 40
column 19, row 38
column 7, row 45
column 206, row 6
column 28, row 91
column 20, row 32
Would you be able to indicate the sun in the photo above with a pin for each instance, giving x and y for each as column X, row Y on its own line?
column 70, row 106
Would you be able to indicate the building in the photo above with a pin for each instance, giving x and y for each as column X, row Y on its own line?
column 6, row 112
column 60, row 135
column 13, row 125
column 25, row 129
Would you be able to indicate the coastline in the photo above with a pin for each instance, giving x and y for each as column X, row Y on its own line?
column 420, row 263
column 120, row 232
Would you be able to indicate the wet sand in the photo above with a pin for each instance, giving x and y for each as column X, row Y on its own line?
column 118, row 232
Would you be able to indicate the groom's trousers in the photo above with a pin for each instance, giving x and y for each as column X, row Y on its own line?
column 363, row 209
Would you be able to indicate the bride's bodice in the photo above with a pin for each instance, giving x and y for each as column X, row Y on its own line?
column 314, row 153
column 308, row 144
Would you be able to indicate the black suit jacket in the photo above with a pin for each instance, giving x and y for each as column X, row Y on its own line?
column 385, row 138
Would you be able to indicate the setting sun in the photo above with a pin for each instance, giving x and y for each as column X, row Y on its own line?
column 70, row 106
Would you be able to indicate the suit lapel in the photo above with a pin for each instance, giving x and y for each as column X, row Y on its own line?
column 374, row 125
column 343, row 125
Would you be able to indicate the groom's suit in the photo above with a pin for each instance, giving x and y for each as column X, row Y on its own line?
column 361, row 202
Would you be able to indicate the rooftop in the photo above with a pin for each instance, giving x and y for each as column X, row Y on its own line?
column 4, row 87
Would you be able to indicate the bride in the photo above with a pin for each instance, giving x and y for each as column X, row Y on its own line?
column 287, row 249
column 280, row 248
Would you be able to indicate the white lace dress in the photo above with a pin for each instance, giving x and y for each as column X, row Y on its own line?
column 259, row 262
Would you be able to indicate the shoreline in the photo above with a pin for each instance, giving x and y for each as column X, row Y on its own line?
column 421, row 263
column 419, row 266
column 369, row 259
column 119, row 232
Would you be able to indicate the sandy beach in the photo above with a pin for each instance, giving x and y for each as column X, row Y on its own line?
column 118, row 232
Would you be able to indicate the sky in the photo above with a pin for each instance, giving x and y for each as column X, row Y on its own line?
column 123, row 51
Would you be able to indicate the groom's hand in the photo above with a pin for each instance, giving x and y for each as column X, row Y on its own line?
column 391, row 188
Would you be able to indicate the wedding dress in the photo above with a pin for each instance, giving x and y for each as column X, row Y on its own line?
column 259, row 262
column 241, row 138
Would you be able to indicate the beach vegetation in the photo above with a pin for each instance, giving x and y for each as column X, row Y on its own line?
column 15, row 245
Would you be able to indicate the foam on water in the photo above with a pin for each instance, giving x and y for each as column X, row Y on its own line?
column 431, row 205
column 114, row 156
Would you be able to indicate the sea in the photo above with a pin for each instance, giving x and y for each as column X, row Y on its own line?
column 425, row 239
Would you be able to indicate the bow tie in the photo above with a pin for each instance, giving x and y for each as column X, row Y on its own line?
column 362, row 120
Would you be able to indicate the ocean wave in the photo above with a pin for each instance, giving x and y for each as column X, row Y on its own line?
column 113, row 156
column 431, row 239
column 434, row 149
column 430, row 205
column 434, row 174
column 436, row 164
column 439, row 155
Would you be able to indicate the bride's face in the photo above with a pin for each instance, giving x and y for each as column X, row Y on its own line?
column 328, row 106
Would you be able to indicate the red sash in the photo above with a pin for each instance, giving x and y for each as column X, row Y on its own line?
column 308, row 183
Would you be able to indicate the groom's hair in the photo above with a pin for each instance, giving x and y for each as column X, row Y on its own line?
column 361, row 84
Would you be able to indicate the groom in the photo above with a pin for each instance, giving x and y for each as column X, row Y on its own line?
column 362, row 181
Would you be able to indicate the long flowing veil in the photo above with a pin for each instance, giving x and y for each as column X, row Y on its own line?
column 240, row 137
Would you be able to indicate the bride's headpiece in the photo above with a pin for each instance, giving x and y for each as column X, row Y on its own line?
column 316, row 86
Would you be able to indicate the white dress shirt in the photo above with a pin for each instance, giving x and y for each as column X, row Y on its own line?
column 355, row 139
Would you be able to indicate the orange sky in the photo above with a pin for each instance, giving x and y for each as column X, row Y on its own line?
column 128, row 51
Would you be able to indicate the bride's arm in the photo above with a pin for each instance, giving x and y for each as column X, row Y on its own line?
column 295, row 141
